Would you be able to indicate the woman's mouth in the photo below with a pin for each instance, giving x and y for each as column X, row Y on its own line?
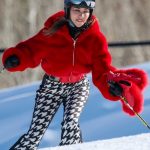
column 79, row 20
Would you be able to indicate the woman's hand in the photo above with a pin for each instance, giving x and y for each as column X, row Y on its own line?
column 118, row 88
column 115, row 89
column 11, row 62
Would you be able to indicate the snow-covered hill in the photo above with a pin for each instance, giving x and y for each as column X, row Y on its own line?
column 137, row 142
column 105, row 119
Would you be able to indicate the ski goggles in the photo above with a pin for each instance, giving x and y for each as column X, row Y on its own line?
column 89, row 3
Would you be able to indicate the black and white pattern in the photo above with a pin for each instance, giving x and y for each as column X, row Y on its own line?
column 48, row 99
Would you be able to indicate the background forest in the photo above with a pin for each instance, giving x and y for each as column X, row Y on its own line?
column 120, row 20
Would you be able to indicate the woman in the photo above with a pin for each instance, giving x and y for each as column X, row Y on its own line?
column 69, row 46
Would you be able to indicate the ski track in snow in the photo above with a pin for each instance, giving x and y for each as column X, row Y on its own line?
column 137, row 142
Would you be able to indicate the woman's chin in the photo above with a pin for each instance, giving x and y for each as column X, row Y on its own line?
column 79, row 25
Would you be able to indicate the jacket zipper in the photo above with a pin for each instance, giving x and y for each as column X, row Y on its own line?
column 74, row 46
column 73, row 57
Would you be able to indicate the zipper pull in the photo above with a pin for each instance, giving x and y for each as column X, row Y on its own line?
column 74, row 43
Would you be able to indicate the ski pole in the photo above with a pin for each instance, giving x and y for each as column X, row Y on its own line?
column 140, row 118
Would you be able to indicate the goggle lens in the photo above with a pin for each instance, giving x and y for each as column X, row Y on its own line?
column 89, row 3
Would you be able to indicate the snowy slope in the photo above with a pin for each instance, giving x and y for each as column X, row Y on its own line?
column 137, row 142
column 105, row 119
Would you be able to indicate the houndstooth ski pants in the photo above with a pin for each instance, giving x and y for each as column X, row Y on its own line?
column 48, row 99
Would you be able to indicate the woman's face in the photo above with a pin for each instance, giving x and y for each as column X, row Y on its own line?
column 79, row 15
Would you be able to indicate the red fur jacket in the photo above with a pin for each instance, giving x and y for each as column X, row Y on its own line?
column 61, row 56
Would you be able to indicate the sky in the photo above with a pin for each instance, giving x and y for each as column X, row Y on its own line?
column 104, row 118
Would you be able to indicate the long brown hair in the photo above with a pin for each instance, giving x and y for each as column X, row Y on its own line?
column 56, row 26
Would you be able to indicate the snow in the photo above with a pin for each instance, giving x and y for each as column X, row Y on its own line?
column 100, row 119
column 137, row 142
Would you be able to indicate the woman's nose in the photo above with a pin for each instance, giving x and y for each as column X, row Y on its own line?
column 81, row 15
